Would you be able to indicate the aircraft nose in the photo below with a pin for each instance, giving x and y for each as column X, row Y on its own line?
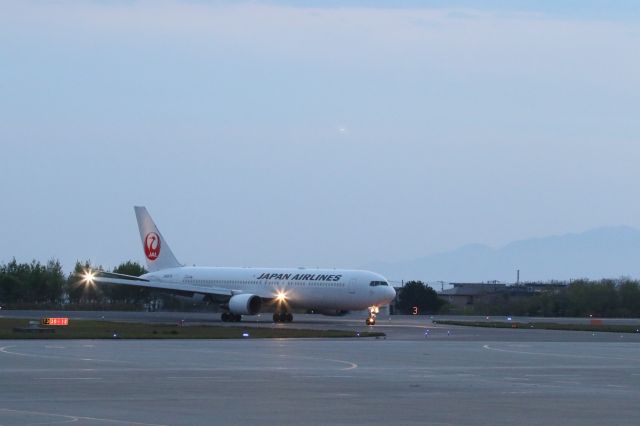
column 392, row 293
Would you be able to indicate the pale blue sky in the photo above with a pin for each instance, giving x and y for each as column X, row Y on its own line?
column 275, row 133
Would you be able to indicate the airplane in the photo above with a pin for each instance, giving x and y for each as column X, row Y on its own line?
column 247, row 291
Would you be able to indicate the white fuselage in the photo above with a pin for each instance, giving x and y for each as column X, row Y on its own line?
column 303, row 288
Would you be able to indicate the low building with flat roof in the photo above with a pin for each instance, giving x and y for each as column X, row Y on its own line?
column 468, row 294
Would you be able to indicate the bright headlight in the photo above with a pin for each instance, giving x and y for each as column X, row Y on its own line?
column 88, row 277
column 281, row 296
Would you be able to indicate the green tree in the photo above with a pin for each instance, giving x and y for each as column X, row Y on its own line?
column 54, row 281
column 629, row 296
column 592, row 298
column 31, row 282
column 126, row 293
column 9, row 287
column 80, row 290
column 417, row 294
column 14, row 281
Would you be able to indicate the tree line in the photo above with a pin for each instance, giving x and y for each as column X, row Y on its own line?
column 580, row 298
column 37, row 284
column 417, row 298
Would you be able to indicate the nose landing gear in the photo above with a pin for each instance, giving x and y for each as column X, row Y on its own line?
column 373, row 311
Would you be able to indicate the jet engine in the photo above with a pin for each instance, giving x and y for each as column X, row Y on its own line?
column 245, row 304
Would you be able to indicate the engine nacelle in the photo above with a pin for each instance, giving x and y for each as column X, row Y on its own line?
column 245, row 304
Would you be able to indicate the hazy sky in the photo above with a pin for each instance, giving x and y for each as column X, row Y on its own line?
column 307, row 133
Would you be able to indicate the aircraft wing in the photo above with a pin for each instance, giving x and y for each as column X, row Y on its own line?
column 174, row 287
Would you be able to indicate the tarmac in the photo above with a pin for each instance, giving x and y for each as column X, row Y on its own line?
column 421, row 373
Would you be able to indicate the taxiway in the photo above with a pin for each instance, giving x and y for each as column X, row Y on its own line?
column 420, row 374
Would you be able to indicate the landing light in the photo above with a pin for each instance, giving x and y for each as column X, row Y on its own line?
column 88, row 277
column 281, row 296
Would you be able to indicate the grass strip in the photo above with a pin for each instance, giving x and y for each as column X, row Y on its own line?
column 609, row 328
column 88, row 329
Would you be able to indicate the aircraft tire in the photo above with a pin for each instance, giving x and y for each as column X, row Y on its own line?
column 282, row 317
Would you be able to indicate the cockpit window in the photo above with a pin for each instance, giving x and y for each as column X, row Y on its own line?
column 377, row 283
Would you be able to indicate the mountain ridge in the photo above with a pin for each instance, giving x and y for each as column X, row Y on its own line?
column 604, row 252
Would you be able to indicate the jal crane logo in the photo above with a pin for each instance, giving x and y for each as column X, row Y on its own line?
column 152, row 246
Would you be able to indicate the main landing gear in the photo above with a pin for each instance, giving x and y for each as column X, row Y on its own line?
column 282, row 317
column 229, row 317
column 373, row 311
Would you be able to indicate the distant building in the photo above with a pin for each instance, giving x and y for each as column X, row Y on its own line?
column 536, row 288
column 468, row 294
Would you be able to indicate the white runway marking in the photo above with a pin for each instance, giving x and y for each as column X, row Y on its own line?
column 322, row 377
column 550, row 375
column 68, row 378
column 218, row 379
column 78, row 418
column 518, row 393
column 350, row 365
column 198, row 378
column 4, row 350
column 555, row 354
column 70, row 420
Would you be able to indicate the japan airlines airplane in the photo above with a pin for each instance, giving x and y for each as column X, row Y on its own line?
column 246, row 291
